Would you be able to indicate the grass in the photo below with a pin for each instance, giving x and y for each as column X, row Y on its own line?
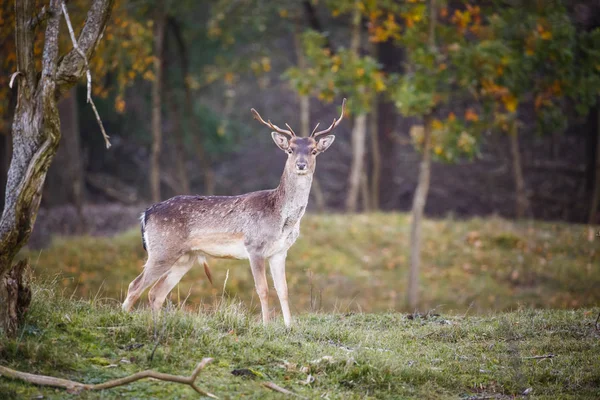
column 359, row 263
column 335, row 356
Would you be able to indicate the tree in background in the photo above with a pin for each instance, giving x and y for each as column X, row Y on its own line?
column 36, row 132
column 343, row 72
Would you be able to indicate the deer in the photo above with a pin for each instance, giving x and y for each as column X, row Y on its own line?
column 258, row 226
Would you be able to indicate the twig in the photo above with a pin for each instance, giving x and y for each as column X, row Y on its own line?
column 597, row 324
column 279, row 389
column 41, row 17
column 539, row 357
column 87, row 73
column 12, row 78
column 76, row 387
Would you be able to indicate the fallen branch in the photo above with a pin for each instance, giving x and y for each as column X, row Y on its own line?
column 539, row 357
column 279, row 389
column 76, row 387
column 87, row 73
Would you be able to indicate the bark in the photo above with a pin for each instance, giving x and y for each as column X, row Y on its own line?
column 418, row 208
column 36, row 133
column 359, row 134
column 196, row 133
column 157, row 88
column 375, row 156
column 359, row 131
column 521, row 200
column 595, row 204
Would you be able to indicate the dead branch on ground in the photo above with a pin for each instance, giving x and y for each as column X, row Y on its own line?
column 76, row 387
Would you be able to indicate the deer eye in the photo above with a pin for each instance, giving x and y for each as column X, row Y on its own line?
column 314, row 152
column 290, row 151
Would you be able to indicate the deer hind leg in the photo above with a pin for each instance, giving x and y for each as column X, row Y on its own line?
column 168, row 281
column 277, row 264
column 153, row 269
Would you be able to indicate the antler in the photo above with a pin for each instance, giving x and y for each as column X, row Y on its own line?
column 335, row 123
column 271, row 125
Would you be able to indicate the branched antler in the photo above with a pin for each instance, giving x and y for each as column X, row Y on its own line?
column 271, row 125
column 335, row 123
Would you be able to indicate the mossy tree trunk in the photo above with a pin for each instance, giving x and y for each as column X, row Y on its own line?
column 35, row 135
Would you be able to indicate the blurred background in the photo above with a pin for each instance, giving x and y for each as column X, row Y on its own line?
column 501, row 95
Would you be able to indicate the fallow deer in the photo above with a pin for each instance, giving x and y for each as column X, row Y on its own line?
column 258, row 226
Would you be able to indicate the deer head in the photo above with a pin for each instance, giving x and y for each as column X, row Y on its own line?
column 302, row 151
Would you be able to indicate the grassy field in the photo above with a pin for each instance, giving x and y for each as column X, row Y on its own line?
column 359, row 263
column 332, row 356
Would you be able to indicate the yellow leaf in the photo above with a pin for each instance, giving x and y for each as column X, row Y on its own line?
column 451, row 117
column 510, row 102
column 437, row 125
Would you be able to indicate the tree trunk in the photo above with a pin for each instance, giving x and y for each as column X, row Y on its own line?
column 359, row 134
column 359, row 131
column 196, row 133
column 595, row 204
column 420, row 199
column 418, row 208
column 178, row 138
column 375, row 155
column 157, row 88
column 66, row 175
column 521, row 200
column 35, row 135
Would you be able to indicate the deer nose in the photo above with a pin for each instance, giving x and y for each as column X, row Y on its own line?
column 301, row 166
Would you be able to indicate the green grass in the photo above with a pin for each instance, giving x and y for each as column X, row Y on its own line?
column 360, row 263
column 349, row 355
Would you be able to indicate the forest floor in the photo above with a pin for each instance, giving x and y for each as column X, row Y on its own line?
column 536, row 354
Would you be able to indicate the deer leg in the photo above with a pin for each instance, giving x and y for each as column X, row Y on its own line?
column 168, row 281
column 277, row 264
column 152, row 271
column 257, row 263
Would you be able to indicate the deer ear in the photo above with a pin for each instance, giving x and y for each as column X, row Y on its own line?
column 280, row 140
column 324, row 143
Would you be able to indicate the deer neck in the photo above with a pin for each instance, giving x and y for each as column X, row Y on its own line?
column 293, row 192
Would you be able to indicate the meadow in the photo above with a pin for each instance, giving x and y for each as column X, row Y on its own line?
column 359, row 263
column 508, row 310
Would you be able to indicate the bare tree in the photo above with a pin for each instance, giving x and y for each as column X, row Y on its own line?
column 420, row 198
column 36, row 132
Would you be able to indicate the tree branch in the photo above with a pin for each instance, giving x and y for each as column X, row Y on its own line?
column 87, row 72
column 72, row 65
column 76, row 387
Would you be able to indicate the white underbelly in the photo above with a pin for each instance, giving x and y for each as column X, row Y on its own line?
column 220, row 246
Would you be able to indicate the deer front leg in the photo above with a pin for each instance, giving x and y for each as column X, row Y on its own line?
column 257, row 263
column 277, row 263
